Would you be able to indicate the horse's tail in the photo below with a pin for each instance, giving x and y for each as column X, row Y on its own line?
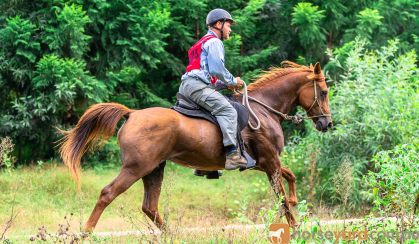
column 98, row 122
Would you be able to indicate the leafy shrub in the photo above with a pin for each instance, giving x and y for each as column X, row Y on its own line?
column 137, row 50
column 6, row 149
column 66, row 34
column 368, row 21
column 374, row 106
column 396, row 183
column 107, row 156
column 57, row 84
column 307, row 18
column 129, row 79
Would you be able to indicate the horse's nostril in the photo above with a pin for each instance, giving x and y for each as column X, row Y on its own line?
column 330, row 125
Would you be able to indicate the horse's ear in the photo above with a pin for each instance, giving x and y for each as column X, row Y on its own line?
column 317, row 68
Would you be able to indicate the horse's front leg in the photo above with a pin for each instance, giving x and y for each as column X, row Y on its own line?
column 273, row 171
column 290, row 177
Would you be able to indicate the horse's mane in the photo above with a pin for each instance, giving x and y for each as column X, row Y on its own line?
column 287, row 67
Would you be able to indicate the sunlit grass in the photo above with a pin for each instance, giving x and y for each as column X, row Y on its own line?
column 195, row 209
column 43, row 196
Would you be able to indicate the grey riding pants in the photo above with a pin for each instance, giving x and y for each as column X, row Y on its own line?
column 210, row 99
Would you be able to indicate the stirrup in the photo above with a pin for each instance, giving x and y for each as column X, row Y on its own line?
column 209, row 174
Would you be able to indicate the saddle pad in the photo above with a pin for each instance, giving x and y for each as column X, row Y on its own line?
column 187, row 107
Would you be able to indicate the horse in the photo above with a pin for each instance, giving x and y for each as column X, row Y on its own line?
column 150, row 136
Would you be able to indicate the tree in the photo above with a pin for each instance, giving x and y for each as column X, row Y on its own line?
column 58, row 57
column 307, row 20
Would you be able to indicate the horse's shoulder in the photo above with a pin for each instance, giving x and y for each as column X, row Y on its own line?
column 269, row 138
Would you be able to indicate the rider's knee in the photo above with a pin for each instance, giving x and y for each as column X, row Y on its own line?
column 233, row 112
column 229, row 111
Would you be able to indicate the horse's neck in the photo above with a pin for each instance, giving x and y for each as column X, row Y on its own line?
column 281, row 94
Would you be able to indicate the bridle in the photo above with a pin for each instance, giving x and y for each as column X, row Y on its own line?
column 316, row 101
column 296, row 119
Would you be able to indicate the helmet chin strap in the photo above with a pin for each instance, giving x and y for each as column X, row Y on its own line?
column 221, row 30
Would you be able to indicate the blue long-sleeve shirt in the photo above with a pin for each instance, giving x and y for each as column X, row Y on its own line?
column 212, row 63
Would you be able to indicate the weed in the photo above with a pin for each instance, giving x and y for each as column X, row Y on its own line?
column 8, row 225
column 343, row 182
column 6, row 148
column 63, row 234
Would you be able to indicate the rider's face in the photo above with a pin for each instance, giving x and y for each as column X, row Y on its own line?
column 226, row 28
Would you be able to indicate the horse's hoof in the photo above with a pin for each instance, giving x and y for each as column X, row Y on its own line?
column 293, row 203
column 294, row 225
column 85, row 235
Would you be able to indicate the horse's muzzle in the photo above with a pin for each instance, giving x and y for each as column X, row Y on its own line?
column 323, row 124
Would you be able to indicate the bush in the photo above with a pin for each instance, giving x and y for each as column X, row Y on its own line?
column 396, row 183
column 6, row 149
column 374, row 107
column 107, row 156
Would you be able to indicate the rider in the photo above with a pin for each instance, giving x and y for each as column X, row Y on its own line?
column 206, row 67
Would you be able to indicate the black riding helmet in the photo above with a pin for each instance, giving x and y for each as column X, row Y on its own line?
column 216, row 15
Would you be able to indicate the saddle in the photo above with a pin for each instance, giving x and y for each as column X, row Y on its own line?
column 189, row 108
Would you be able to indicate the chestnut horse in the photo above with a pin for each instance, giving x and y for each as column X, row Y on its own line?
column 151, row 136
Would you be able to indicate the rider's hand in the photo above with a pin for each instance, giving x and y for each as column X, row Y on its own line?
column 240, row 82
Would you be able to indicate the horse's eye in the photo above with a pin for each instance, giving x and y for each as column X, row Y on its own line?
column 323, row 93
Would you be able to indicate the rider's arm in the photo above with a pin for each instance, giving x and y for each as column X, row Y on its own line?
column 216, row 63
column 219, row 85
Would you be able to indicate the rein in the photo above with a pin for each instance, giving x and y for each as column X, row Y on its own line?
column 296, row 119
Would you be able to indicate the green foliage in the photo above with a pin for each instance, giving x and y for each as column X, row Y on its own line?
column 58, row 57
column 107, row 157
column 307, row 19
column 146, row 32
column 336, row 13
column 16, row 38
column 336, row 65
column 58, row 87
column 128, row 33
column 400, row 20
column 374, row 107
column 394, row 190
column 240, row 64
column 368, row 21
column 64, row 78
column 18, row 52
column 245, row 18
column 66, row 34
column 395, row 185
column 129, row 79
column 6, row 149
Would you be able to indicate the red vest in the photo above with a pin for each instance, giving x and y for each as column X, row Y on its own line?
column 194, row 55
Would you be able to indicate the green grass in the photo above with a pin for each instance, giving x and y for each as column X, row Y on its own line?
column 46, row 196
column 43, row 196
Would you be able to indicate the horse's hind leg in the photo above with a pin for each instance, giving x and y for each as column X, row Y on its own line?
column 290, row 177
column 127, row 176
column 152, row 188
